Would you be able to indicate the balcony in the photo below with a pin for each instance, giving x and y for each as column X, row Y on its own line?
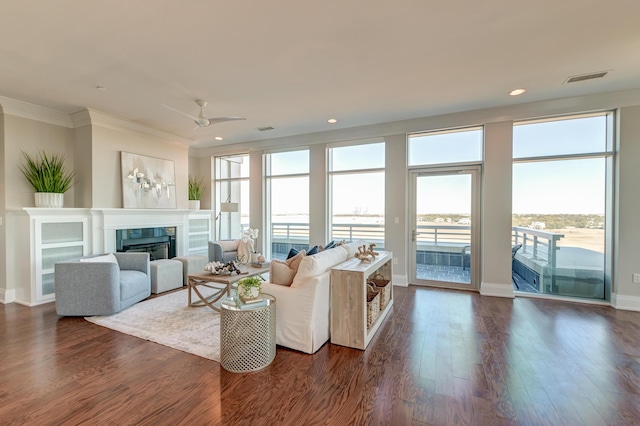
column 542, row 265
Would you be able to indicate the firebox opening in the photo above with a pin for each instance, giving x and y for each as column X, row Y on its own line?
column 160, row 243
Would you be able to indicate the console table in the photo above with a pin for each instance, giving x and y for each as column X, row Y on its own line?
column 349, row 300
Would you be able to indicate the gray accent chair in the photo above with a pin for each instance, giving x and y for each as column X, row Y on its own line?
column 223, row 250
column 101, row 288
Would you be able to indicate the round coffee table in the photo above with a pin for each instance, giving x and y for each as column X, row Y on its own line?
column 247, row 335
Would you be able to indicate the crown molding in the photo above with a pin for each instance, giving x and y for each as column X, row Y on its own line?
column 102, row 119
column 84, row 117
column 34, row 112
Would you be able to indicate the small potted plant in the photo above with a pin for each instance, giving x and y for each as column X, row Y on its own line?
column 249, row 288
column 48, row 176
column 196, row 188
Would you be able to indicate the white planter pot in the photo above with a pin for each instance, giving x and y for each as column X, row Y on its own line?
column 251, row 293
column 194, row 204
column 49, row 199
column 255, row 257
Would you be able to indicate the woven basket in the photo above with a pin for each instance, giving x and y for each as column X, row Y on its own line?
column 382, row 286
column 373, row 305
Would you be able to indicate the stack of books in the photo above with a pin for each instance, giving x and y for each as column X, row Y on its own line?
column 256, row 302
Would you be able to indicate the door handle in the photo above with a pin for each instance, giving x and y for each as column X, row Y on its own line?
column 414, row 236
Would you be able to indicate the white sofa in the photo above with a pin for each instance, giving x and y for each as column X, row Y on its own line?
column 303, row 309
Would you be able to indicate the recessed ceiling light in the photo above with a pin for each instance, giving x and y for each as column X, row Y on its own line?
column 516, row 92
column 332, row 121
column 218, row 138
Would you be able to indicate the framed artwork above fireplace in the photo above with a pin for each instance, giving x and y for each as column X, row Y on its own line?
column 147, row 182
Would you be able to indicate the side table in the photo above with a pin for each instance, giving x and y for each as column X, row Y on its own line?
column 247, row 336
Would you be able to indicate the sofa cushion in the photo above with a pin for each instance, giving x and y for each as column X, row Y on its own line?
column 310, row 252
column 292, row 252
column 106, row 258
column 229, row 245
column 282, row 272
column 329, row 245
column 315, row 265
column 351, row 248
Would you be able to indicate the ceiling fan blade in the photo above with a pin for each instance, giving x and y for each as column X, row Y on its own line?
column 180, row 112
column 223, row 119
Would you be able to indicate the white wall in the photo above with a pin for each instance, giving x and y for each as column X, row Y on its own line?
column 31, row 136
column 108, row 142
column 496, row 210
column 396, row 199
column 83, row 162
column 626, row 294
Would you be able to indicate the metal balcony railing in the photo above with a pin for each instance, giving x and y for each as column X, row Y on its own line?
column 540, row 245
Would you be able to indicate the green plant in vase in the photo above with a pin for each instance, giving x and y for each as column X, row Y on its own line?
column 249, row 288
column 196, row 189
column 48, row 175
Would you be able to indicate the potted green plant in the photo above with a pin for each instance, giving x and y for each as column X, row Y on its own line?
column 49, row 177
column 196, row 188
column 249, row 288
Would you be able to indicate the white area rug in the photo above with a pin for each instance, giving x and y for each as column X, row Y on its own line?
column 168, row 320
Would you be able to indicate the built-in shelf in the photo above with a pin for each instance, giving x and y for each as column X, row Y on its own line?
column 199, row 232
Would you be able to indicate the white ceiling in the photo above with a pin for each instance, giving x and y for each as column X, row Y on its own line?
column 293, row 64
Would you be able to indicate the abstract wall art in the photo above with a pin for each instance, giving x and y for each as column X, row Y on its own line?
column 147, row 182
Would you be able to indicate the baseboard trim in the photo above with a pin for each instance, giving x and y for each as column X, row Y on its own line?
column 400, row 280
column 497, row 290
column 625, row 303
column 7, row 296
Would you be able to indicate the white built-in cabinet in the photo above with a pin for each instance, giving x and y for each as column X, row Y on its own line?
column 43, row 237
column 200, row 232
column 348, row 300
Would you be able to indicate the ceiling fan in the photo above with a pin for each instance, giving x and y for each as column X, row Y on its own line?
column 202, row 120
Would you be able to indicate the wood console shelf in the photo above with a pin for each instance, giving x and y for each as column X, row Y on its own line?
column 348, row 300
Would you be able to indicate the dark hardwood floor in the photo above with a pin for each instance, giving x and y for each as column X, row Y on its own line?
column 441, row 358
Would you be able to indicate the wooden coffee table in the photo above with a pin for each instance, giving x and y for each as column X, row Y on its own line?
column 209, row 280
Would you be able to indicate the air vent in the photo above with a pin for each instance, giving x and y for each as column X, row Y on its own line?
column 576, row 78
column 265, row 129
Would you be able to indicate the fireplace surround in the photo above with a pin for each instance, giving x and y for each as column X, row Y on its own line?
column 159, row 242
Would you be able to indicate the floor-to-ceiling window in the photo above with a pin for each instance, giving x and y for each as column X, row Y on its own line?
column 445, row 171
column 356, row 192
column 231, row 195
column 287, row 201
column 562, row 180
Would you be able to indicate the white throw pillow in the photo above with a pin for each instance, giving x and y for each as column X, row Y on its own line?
column 281, row 272
column 107, row 258
column 229, row 245
column 351, row 248
column 318, row 263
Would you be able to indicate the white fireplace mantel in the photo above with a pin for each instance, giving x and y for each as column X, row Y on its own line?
column 105, row 222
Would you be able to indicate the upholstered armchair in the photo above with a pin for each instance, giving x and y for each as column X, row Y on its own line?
column 223, row 250
column 102, row 284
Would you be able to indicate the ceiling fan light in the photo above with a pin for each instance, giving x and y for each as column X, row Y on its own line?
column 202, row 122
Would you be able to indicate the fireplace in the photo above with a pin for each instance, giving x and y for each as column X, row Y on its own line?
column 160, row 243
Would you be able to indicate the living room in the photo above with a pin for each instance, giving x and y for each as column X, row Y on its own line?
column 92, row 134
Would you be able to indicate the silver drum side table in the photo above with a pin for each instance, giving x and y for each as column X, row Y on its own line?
column 247, row 336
